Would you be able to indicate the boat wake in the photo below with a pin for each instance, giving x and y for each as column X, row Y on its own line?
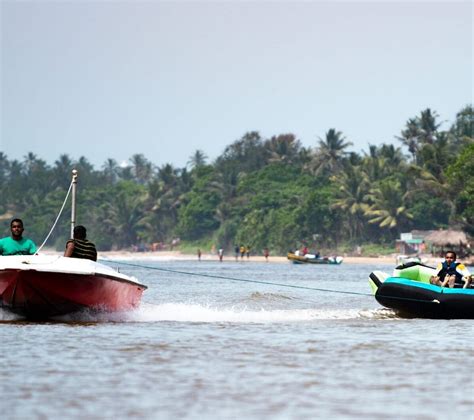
column 191, row 312
column 6, row 316
column 188, row 312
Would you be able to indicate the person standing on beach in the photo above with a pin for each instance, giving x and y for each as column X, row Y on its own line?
column 266, row 253
column 79, row 246
column 16, row 244
column 199, row 254
column 237, row 252
column 221, row 254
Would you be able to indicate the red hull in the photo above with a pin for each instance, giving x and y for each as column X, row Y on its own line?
column 42, row 295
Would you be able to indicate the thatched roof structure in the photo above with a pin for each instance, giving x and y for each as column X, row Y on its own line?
column 447, row 238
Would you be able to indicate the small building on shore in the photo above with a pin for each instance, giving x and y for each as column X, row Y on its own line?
column 440, row 241
column 412, row 243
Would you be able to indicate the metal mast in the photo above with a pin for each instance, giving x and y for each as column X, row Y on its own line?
column 73, row 201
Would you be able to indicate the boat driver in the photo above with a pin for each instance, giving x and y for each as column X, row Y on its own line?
column 16, row 244
column 451, row 273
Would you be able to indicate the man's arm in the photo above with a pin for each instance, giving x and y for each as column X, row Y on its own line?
column 32, row 248
column 69, row 249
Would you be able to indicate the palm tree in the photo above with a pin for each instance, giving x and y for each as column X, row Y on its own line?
column 243, row 156
column 373, row 165
column 142, row 169
column 4, row 167
column 387, row 208
column 62, row 171
column 36, row 173
column 330, row 153
column 428, row 126
column 197, row 160
column 383, row 161
column 87, row 174
column 110, row 171
column 283, row 148
column 351, row 197
column 123, row 218
column 392, row 156
column 410, row 135
column 464, row 125
column 165, row 194
column 4, row 180
column 462, row 131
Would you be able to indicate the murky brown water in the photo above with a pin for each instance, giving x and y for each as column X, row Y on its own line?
column 214, row 348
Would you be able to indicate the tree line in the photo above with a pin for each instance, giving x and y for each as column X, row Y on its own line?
column 261, row 192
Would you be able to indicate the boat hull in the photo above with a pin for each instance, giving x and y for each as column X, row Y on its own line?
column 299, row 259
column 41, row 292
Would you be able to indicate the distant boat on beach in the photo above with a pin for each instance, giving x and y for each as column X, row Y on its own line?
column 296, row 258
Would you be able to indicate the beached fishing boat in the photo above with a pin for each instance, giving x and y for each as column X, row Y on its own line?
column 41, row 287
column 409, row 292
column 296, row 258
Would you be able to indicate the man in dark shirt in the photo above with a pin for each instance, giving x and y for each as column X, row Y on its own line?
column 80, row 247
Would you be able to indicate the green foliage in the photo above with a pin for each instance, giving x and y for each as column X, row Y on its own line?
column 280, row 206
column 461, row 179
column 260, row 192
column 429, row 212
column 197, row 216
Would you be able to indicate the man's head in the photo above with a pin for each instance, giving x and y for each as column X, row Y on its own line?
column 16, row 227
column 450, row 256
column 80, row 232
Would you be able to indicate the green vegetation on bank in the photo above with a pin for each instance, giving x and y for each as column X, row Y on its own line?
column 260, row 192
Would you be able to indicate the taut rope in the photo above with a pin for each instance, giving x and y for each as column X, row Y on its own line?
column 57, row 218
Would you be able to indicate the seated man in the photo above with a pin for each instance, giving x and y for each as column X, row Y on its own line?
column 451, row 273
column 80, row 247
column 16, row 244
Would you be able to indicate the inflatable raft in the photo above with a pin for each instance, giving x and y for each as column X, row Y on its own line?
column 409, row 292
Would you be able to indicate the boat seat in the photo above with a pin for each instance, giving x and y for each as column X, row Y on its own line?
column 414, row 271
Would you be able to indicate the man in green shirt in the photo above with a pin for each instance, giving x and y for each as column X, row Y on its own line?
column 16, row 244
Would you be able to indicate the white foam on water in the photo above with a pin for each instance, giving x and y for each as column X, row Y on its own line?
column 185, row 312
column 8, row 316
column 203, row 313
column 382, row 313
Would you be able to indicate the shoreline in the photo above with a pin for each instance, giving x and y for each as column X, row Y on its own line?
column 273, row 259
column 278, row 259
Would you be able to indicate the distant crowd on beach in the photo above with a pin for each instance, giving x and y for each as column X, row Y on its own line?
column 240, row 251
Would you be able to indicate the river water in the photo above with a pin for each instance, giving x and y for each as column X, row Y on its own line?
column 214, row 348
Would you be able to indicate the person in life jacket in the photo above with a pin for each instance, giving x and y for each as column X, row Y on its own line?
column 451, row 273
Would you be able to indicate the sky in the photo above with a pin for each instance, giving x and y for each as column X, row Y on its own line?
column 109, row 79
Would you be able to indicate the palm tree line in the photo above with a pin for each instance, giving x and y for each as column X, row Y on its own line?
column 269, row 192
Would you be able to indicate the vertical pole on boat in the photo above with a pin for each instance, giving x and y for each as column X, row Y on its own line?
column 73, row 201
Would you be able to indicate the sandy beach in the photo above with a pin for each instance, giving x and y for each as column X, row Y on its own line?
column 177, row 255
column 275, row 259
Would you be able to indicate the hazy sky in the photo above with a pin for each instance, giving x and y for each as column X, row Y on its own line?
column 109, row 79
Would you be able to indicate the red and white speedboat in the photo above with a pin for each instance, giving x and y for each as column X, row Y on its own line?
column 40, row 287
